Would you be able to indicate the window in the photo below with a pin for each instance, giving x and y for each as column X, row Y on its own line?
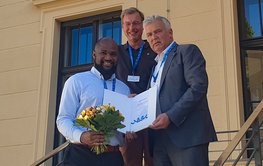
column 77, row 40
column 250, row 14
column 252, row 78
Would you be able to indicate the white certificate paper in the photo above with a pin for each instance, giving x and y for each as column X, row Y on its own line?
column 139, row 111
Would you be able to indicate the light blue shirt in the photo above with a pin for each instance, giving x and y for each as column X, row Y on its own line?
column 80, row 91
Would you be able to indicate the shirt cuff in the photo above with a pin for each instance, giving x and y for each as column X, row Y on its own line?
column 76, row 136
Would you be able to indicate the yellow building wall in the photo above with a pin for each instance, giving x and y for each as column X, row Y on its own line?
column 29, row 43
column 20, row 43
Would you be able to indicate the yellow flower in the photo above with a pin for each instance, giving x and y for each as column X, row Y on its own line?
column 94, row 110
column 105, row 119
column 106, row 107
column 83, row 113
column 86, row 117
column 80, row 117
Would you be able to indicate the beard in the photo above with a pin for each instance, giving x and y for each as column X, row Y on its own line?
column 107, row 73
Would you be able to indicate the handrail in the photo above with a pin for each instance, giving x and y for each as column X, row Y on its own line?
column 51, row 154
column 232, row 145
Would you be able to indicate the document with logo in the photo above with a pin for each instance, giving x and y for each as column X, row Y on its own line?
column 139, row 111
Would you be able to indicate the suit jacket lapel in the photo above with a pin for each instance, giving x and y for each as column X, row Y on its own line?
column 167, row 64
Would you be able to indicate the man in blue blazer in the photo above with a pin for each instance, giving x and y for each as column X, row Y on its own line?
column 183, row 127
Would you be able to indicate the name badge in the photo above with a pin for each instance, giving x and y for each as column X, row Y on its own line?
column 132, row 78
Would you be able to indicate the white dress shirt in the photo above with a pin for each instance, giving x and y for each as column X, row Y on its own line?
column 80, row 91
column 159, row 68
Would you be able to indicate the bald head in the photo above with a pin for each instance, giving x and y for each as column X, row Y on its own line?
column 104, row 42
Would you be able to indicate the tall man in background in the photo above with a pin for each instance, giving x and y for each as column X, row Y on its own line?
column 183, row 127
column 134, row 68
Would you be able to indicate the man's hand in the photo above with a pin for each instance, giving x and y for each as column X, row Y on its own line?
column 91, row 138
column 130, row 136
column 161, row 122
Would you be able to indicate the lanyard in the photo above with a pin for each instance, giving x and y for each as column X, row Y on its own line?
column 113, row 84
column 164, row 59
column 137, row 59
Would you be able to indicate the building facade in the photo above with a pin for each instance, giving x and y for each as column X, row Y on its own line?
column 43, row 42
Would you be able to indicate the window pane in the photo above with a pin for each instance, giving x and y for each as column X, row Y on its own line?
column 254, row 71
column 252, row 18
column 114, row 27
column 117, row 32
column 74, row 47
column 106, row 29
column 85, row 46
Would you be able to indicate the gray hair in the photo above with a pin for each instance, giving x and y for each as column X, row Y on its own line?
column 132, row 10
column 154, row 18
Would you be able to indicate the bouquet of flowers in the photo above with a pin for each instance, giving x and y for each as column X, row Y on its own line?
column 105, row 119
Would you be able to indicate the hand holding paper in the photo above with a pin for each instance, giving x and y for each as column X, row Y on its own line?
column 161, row 122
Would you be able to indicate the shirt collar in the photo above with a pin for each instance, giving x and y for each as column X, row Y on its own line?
column 159, row 57
column 146, row 45
column 100, row 76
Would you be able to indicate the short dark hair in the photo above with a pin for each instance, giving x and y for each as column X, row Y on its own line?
column 103, row 39
column 132, row 10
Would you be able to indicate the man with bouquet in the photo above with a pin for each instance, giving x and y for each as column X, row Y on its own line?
column 85, row 90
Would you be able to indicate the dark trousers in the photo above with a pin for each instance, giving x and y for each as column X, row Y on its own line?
column 79, row 155
column 167, row 154
column 134, row 152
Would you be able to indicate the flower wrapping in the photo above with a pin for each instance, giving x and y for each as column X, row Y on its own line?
column 106, row 119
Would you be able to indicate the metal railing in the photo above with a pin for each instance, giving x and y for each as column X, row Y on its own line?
column 250, row 127
column 51, row 154
column 249, row 139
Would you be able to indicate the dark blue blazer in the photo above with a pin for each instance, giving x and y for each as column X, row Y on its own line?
column 183, row 97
